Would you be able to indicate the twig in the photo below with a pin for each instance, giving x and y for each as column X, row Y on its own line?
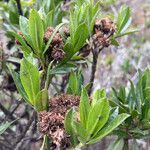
column 6, row 112
column 14, row 109
column 5, row 145
column 19, row 7
column 64, row 83
column 95, row 51
column 93, row 71
column 19, row 139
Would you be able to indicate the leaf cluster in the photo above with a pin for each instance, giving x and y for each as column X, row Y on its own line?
column 136, row 102
column 96, row 119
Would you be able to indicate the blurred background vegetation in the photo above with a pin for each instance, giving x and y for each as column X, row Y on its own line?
column 115, row 65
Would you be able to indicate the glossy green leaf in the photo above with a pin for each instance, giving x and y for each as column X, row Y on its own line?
column 26, row 49
column 109, row 128
column 41, row 100
column 129, row 31
column 30, row 79
column 63, row 69
column 75, row 83
column 80, row 36
column 116, row 145
column 18, row 83
column 36, row 31
column 98, row 116
column 114, row 42
column 49, row 19
column 123, row 17
column 122, row 94
column 84, row 107
column 23, row 23
column 99, row 94
column 80, row 131
column 13, row 17
column 69, row 126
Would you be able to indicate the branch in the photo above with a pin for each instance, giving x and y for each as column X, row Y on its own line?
column 93, row 70
column 6, row 112
column 19, row 7
column 19, row 139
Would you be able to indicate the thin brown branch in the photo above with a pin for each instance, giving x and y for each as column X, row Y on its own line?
column 93, row 71
column 6, row 112
column 19, row 7
column 19, row 139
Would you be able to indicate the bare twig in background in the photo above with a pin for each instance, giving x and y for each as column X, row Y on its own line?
column 19, row 139
column 93, row 71
column 95, row 53
column 6, row 112
column 19, row 7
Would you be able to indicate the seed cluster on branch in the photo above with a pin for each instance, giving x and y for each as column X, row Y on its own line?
column 57, row 44
column 51, row 123
column 103, row 30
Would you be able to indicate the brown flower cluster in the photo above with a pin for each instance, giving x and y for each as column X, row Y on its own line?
column 103, row 30
column 52, row 123
column 57, row 44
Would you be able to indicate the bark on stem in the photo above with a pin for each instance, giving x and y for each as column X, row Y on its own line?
column 93, row 71
column 126, row 144
column 19, row 7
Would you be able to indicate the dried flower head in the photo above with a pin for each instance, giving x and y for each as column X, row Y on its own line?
column 57, row 39
column 52, row 123
column 85, row 51
column 48, row 33
column 66, row 31
column 104, row 29
column 106, row 25
column 57, row 54
column 56, row 47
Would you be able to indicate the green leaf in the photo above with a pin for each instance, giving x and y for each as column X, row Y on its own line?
column 134, row 98
column 63, row 69
column 109, row 128
column 103, row 117
column 14, row 17
column 122, row 94
column 98, row 116
column 113, row 113
column 68, row 48
column 75, row 83
column 68, row 124
column 41, row 100
column 99, row 94
column 26, row 49
column 80, row 36
column 114, row 42
column 49, row 19
column 123, row 18
column 23, row 23
column 18, row 83
column 30, row 79
column 80, row 131
column 129, row 31
column 5, row 126
column 116, row 145
column 84, row 107
column 36, row 31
